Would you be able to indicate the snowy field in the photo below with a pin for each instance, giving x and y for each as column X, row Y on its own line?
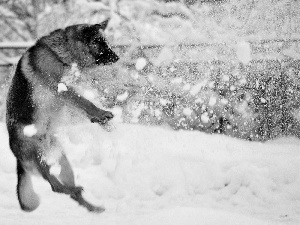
column 154, row 175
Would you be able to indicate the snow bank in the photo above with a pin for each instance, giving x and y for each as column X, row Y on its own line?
column 154, row 175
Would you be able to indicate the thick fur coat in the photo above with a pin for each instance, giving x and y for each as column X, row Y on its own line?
column 35, row 100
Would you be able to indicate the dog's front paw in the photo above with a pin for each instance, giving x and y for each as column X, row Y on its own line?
column 103, row 118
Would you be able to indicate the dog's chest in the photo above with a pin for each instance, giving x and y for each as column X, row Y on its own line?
column 48, row 108
column 71, row 76
column 45, row 99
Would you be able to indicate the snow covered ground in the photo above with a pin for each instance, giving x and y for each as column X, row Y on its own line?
column 155, row 175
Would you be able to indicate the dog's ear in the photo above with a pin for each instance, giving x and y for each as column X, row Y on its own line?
column 89, row 31
column 102, row 25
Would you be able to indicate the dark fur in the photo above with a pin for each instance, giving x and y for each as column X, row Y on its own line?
column 33, row 98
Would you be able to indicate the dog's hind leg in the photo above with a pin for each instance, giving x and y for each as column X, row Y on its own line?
column 55, row 184
column 28, row 199
column 78, row 198
column 66, row 184
column 67, row 177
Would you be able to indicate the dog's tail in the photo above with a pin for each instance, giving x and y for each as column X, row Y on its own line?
column 28, row 199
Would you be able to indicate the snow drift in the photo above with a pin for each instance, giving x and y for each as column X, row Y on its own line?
column 154, row 175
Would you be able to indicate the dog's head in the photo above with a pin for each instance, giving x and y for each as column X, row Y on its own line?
column 93, row 36
column 83, row 44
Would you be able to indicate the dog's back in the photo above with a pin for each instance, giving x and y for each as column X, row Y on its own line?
column 34, row 102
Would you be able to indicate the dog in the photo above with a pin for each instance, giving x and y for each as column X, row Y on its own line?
column 38, row 92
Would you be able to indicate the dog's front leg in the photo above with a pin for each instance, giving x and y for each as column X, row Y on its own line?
column 95, row 114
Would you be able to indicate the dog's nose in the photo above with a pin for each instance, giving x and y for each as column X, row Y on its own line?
column 113, row 57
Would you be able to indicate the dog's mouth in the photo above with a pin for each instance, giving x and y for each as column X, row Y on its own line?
column 108, row 59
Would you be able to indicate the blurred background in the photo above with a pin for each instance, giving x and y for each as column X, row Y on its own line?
column 230, row 66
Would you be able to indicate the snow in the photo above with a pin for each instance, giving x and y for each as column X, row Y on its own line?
column 75, row 70
column 151, row 78
column 226, row 78
column 30, row 130
column 173, row 69
column 232, row 88
column 177, row 80
column 72, row 75
column 122, row 97
column 155, row 175
column 204, row 117
column 224, row 101
column 136, row 110
column 186, row 87
column 243, row 52
column 165, row 56
column 157, row 113
column 163, row 101
column 263, row 100
column 89, row 94
column 187, row 112
column 196, row 88
column 55, row 170
column 61, row 87
column 212, row 101
column 135, row 75
column 140, row 63
column 117, row 111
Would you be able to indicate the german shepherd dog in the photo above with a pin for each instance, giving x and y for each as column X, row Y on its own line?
column 34, row 102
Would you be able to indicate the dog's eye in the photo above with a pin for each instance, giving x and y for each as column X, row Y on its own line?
column 96, row 40
column 94, row 45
